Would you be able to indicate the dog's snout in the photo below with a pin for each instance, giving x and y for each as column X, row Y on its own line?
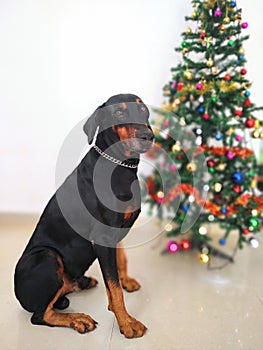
column 145, row 135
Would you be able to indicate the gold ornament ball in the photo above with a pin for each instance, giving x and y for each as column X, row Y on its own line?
column 226, row 20
column 255, row 134
column 218, row 187
column 221, row 166
column 210, row 62
column 188, row 74
column 241, row 51
column 261, row 134
column 204, row 258
column 193, row 14
column 188, row 31
column 191, row 167
column 222, row 28
column 176, row 148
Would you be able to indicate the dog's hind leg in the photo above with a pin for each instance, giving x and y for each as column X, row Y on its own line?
column 40, row 283
column 128, row 283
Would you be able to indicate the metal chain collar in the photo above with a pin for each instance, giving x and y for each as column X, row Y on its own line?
column 114, row 160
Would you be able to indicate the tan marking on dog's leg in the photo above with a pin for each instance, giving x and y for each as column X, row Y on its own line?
column 129, row 326
column 128, row 283
column 78, row 321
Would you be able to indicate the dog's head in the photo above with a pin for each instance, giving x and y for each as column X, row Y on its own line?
column 125, row 118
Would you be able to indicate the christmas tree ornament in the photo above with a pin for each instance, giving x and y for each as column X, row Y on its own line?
column 172, row 247
column 254, row 212
column 241, row 51
column 199, row 86
column 202, row 35
column 185, row 208
column 238, row 112
column 211, row 170
column 201, row 110
column 237, row 177
column 230, row 155
column 185, row 244
column 230, row 42
column 243, row 71
column 245, row 231
column 222, row 28
column 211, row 218
column 233, row 4
column 202, row 230
column 244, row 25
column 211, row 163
column 188, row 31
column 176, row 147
column 240, row 57
column 254, row 222
column 218, row 13
column 194, row 14
column 206, row 116
column 169, row 227
column 226, row 20
column 237, row 188
column 218, row 187
column 227, row 77
column 250, row 123
column 180, row 85
column 223, row 210
column 209, row 62
column 222, row 241
column 218, row 136
column 188, row 74
column 184, row 44
column 214, row 99
column 255, row 134
column 191, row 167
column 238, row 138
column 160, row 194
column 221, row 166
column 254, row 242
column 204, row 258
column 247, row 103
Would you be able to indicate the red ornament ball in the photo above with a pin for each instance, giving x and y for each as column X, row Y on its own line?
column 250, row 123
column 247, row 103
column 180, row 85
column 243, row 71
column 206, row 116
column 237, row 188
column 238, row 112
column 246, row 231
column 185, row 244
column 211, row 163
column 202, row 35
column 227, row 77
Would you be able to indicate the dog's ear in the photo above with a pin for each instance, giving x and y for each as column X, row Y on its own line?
column 92, row 124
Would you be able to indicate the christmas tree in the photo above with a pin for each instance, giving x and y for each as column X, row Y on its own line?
column 209, row 94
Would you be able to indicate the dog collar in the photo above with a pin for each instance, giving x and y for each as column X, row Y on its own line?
column 114, row 160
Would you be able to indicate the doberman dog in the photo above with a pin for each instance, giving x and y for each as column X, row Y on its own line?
column 66, row 242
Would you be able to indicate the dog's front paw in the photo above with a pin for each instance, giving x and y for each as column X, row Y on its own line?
column 133, row 328
column 130, row 284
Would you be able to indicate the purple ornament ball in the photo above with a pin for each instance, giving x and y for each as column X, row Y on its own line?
column 244, row 25
column 218, row 13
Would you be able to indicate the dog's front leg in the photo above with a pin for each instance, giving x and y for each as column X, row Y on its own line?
column 129, row 326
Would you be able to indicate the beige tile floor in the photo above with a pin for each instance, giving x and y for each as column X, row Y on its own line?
column 185, row 306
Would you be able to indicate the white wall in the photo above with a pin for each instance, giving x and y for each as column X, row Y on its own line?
column 60, row 59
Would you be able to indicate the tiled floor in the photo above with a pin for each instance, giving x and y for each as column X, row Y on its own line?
column 185, row 306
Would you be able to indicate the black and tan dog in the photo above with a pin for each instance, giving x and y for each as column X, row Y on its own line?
column 66, row 242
